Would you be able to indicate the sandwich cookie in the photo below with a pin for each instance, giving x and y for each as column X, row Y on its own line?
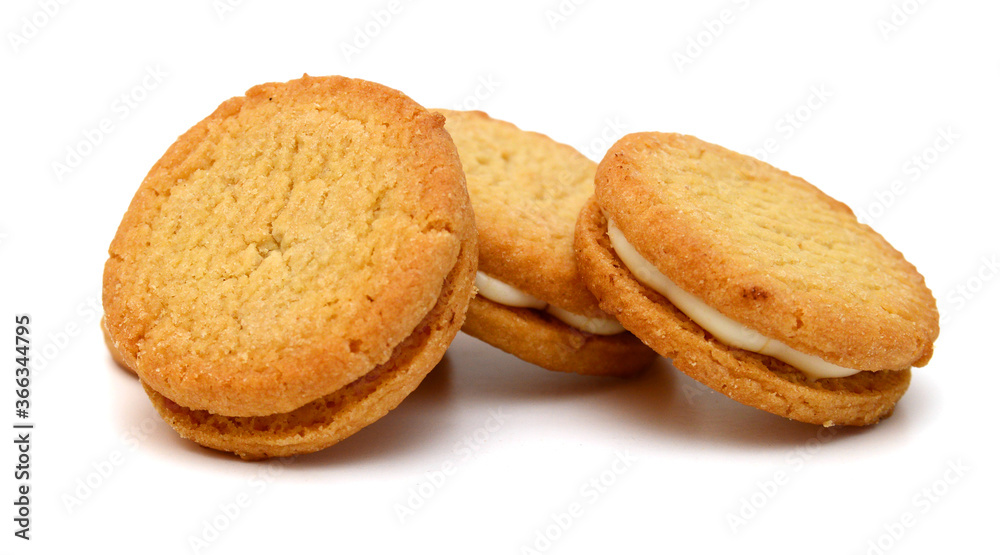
column 293, row 266
column 527, row 191
column 753, row 281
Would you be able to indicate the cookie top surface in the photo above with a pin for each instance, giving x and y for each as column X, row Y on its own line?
column 527, row 191
column 284, row 245
column 768, row 250
column 329, row 419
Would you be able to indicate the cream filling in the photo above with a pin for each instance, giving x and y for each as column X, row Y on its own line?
column 502, row 293
column 727, row 331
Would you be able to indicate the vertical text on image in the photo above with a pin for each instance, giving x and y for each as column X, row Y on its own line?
column 22, row 427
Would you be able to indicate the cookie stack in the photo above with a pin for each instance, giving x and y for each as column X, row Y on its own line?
column 293, row 266
column 527, row 191
column 298, row 261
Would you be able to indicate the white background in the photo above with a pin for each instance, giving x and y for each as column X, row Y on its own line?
column 695, row 458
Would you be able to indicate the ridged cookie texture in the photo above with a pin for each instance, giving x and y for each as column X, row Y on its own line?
column 527, row 191
column 752, row 379
column 769, row 251
column 287, row 246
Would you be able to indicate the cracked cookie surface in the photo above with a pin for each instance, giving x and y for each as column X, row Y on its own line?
column 527, row 191
column 327, row 420
column 285, row 245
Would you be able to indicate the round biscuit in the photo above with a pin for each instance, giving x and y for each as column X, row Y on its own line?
column 541, row 339
column 285, row 245
column 326, row 421
column 526, row 191
column 768, row 250
column 750, row 378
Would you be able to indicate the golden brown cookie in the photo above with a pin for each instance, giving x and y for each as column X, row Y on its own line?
column 288, row 246
column 527, row 191
column 329, row 419
column 112, row 350
column 770, row 252
column 540, row 338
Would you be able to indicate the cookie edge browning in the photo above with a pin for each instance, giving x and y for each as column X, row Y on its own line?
column 542, row 340
column 353, row 407
column 749, row 378
column 294, row 384
column 827, row 329
column 495, row 253
column 112, row 350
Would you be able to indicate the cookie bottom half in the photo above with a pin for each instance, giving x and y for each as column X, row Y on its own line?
column 327, row 420
column 750, row 378
column 542, row 339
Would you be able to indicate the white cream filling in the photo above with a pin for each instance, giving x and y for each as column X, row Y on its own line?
column 499, row 292
column 596, row 326
column 502, row 293
column 726, row 330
